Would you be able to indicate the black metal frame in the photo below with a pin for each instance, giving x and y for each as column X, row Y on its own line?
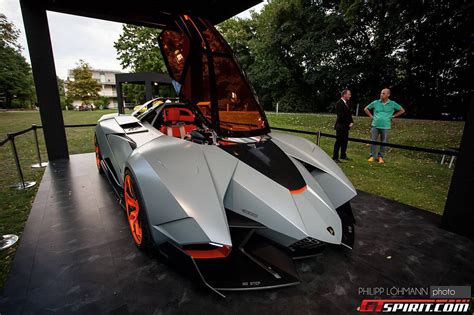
column 459, row 214
column 141, row 12
column 147, row 78
column 44, row 74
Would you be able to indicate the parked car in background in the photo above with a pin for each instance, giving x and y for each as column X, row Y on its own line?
column 85, row 107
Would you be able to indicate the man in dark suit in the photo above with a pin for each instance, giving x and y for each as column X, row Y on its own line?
column 343, row 124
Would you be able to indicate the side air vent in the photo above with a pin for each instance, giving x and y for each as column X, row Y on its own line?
column 307, row 166
column 133, row 127
column 236, row 220
column 305, row 244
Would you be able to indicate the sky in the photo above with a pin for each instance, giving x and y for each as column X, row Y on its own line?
column 75, row 38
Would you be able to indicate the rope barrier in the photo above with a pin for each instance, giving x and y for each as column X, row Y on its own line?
column 72, row 126
column 450, row 152
column 19, row 133
column 4, row 141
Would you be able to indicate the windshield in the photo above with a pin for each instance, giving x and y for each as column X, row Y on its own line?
column 199, row 59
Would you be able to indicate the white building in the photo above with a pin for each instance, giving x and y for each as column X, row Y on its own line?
column 106, row 79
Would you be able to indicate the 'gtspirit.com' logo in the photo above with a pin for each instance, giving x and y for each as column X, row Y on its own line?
column 426, row 305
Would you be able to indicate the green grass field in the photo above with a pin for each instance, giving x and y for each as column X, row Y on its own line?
column 409, row 177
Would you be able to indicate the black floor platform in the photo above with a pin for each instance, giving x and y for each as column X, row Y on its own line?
column 76, row 255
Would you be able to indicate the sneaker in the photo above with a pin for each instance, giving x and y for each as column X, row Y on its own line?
column 371, row 159
column 381, row 161
column 346, row 159
column 337, row 160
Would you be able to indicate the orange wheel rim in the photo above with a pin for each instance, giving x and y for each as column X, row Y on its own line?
column 97, row 158
column 132, row 207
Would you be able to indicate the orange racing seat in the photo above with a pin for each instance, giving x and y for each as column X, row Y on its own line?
column 177, row 122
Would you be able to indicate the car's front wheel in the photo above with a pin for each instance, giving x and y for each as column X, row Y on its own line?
column 98, row 157
column 136, row 213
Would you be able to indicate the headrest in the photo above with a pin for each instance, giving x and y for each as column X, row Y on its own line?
column 173, row 114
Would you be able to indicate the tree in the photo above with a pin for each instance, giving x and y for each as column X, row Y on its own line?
column 138, row 49
column 304, row 52
column 16, row 81
column 238, row 33
column 421, row 49
column 65, row 100
column 9, row 33
column 83, row 86
column 439, row 58
column 102, row 102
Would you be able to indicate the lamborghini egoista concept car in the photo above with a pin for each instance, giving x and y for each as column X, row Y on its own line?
column 205, row 182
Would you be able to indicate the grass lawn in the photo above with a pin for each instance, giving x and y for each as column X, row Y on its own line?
column 412, row 178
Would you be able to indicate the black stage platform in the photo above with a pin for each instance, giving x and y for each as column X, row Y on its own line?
column 77, row 255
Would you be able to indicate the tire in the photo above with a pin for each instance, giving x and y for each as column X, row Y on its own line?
column 98, row 157
column 138, row 223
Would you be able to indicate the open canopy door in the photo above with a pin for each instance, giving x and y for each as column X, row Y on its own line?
column 202, row 63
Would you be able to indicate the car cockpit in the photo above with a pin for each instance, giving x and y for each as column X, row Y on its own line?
column 180, row 120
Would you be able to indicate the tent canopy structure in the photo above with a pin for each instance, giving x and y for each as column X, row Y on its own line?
column 158, row 14
column 151, row 13
column 459, row 212
column 146, row 78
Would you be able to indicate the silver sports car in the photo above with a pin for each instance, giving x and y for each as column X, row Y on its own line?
column 204, row 180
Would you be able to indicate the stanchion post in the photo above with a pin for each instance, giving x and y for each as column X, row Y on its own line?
column 22, row 184
column 38, row 153
column 17, row 161
column 318, row 138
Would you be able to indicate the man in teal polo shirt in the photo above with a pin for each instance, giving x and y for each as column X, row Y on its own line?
column 384, row 111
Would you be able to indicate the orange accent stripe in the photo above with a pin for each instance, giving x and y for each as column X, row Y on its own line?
column 223, row 142
column 220, row 252
column 298, row 191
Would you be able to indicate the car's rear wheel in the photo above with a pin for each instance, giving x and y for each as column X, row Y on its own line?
column 98, row 157
column 136, row 213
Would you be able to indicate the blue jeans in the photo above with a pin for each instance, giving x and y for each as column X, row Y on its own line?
column 383, row 138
